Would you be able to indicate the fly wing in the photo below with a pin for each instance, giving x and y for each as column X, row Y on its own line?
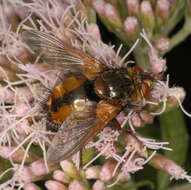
column 63, row 56
column 74, row 134
column 52, row 49
column 78, row 128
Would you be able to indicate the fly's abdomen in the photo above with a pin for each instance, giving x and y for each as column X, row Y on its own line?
column 74, row 94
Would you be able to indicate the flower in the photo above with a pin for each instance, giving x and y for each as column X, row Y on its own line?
column 28, row 80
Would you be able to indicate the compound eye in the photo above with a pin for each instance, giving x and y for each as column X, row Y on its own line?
column 145, row 89
column 138, row 69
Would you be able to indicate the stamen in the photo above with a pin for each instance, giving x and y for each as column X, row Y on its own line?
column 76, row 159
column 129, row 52
column 144, row 36
column 115, row 182
column 150, row 157
column 122, row 160
column 21, row 23
column 97, row 156
column 165, row 91
column 182, row 108
column 129, row 121
column 43, row 147
column 152, row 144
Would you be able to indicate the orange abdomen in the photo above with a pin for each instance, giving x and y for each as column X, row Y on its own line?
column 73, row 94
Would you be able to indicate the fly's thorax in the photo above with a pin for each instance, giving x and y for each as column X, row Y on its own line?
column 123, row 86
column 115, row 85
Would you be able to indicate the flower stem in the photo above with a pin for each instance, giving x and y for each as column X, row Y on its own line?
column 177, row 15
column 141, row 56
column 180, row 36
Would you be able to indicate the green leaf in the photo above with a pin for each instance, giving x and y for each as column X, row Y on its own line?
column 173, row 130
column 134, row 186
column 122, row 9
column 181, row 187
column 87, row 155
column 4, row 165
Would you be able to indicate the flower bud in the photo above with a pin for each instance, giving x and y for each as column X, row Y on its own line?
column 131, row 27
column 21, row 11
column 132, row 143
column 61, row 176
column 168, row 166
column 124, row 177
column 157, row 64
column 113, row 16
column 161, row 43
column 98, row 185
column 27, row 175
column 136, row 120
column 77, row 185
column 93, row 29
column 6, row 95
column 23, row 93
column 17, row 50
column 133, row 6
column 163, row 10
column 146, row 117
column 175, row 94
column 51, row 184
column 31, row 186
column 70, row 169
column 8, row 18
column 121, row 117
column 93, row 172
column 107, row 170
column 148, row 20
column 39, row 168
column 99, row 6
column 21, row 109
column 17, row 156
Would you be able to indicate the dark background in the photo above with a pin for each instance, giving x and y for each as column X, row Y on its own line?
column 179, row 69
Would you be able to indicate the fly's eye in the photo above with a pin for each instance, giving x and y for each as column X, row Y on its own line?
column 145, row 86
column 145, row 89
column 138, row 69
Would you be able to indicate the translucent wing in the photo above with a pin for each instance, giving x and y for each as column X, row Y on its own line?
column 63, row 56
column 79, row 128
column 52, row 49
column 73, row 135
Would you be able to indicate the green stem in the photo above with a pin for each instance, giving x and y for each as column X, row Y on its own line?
column 178, row 13
column 141, row 55
column 141, row 184
column 181, row 187
column 181, row 35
